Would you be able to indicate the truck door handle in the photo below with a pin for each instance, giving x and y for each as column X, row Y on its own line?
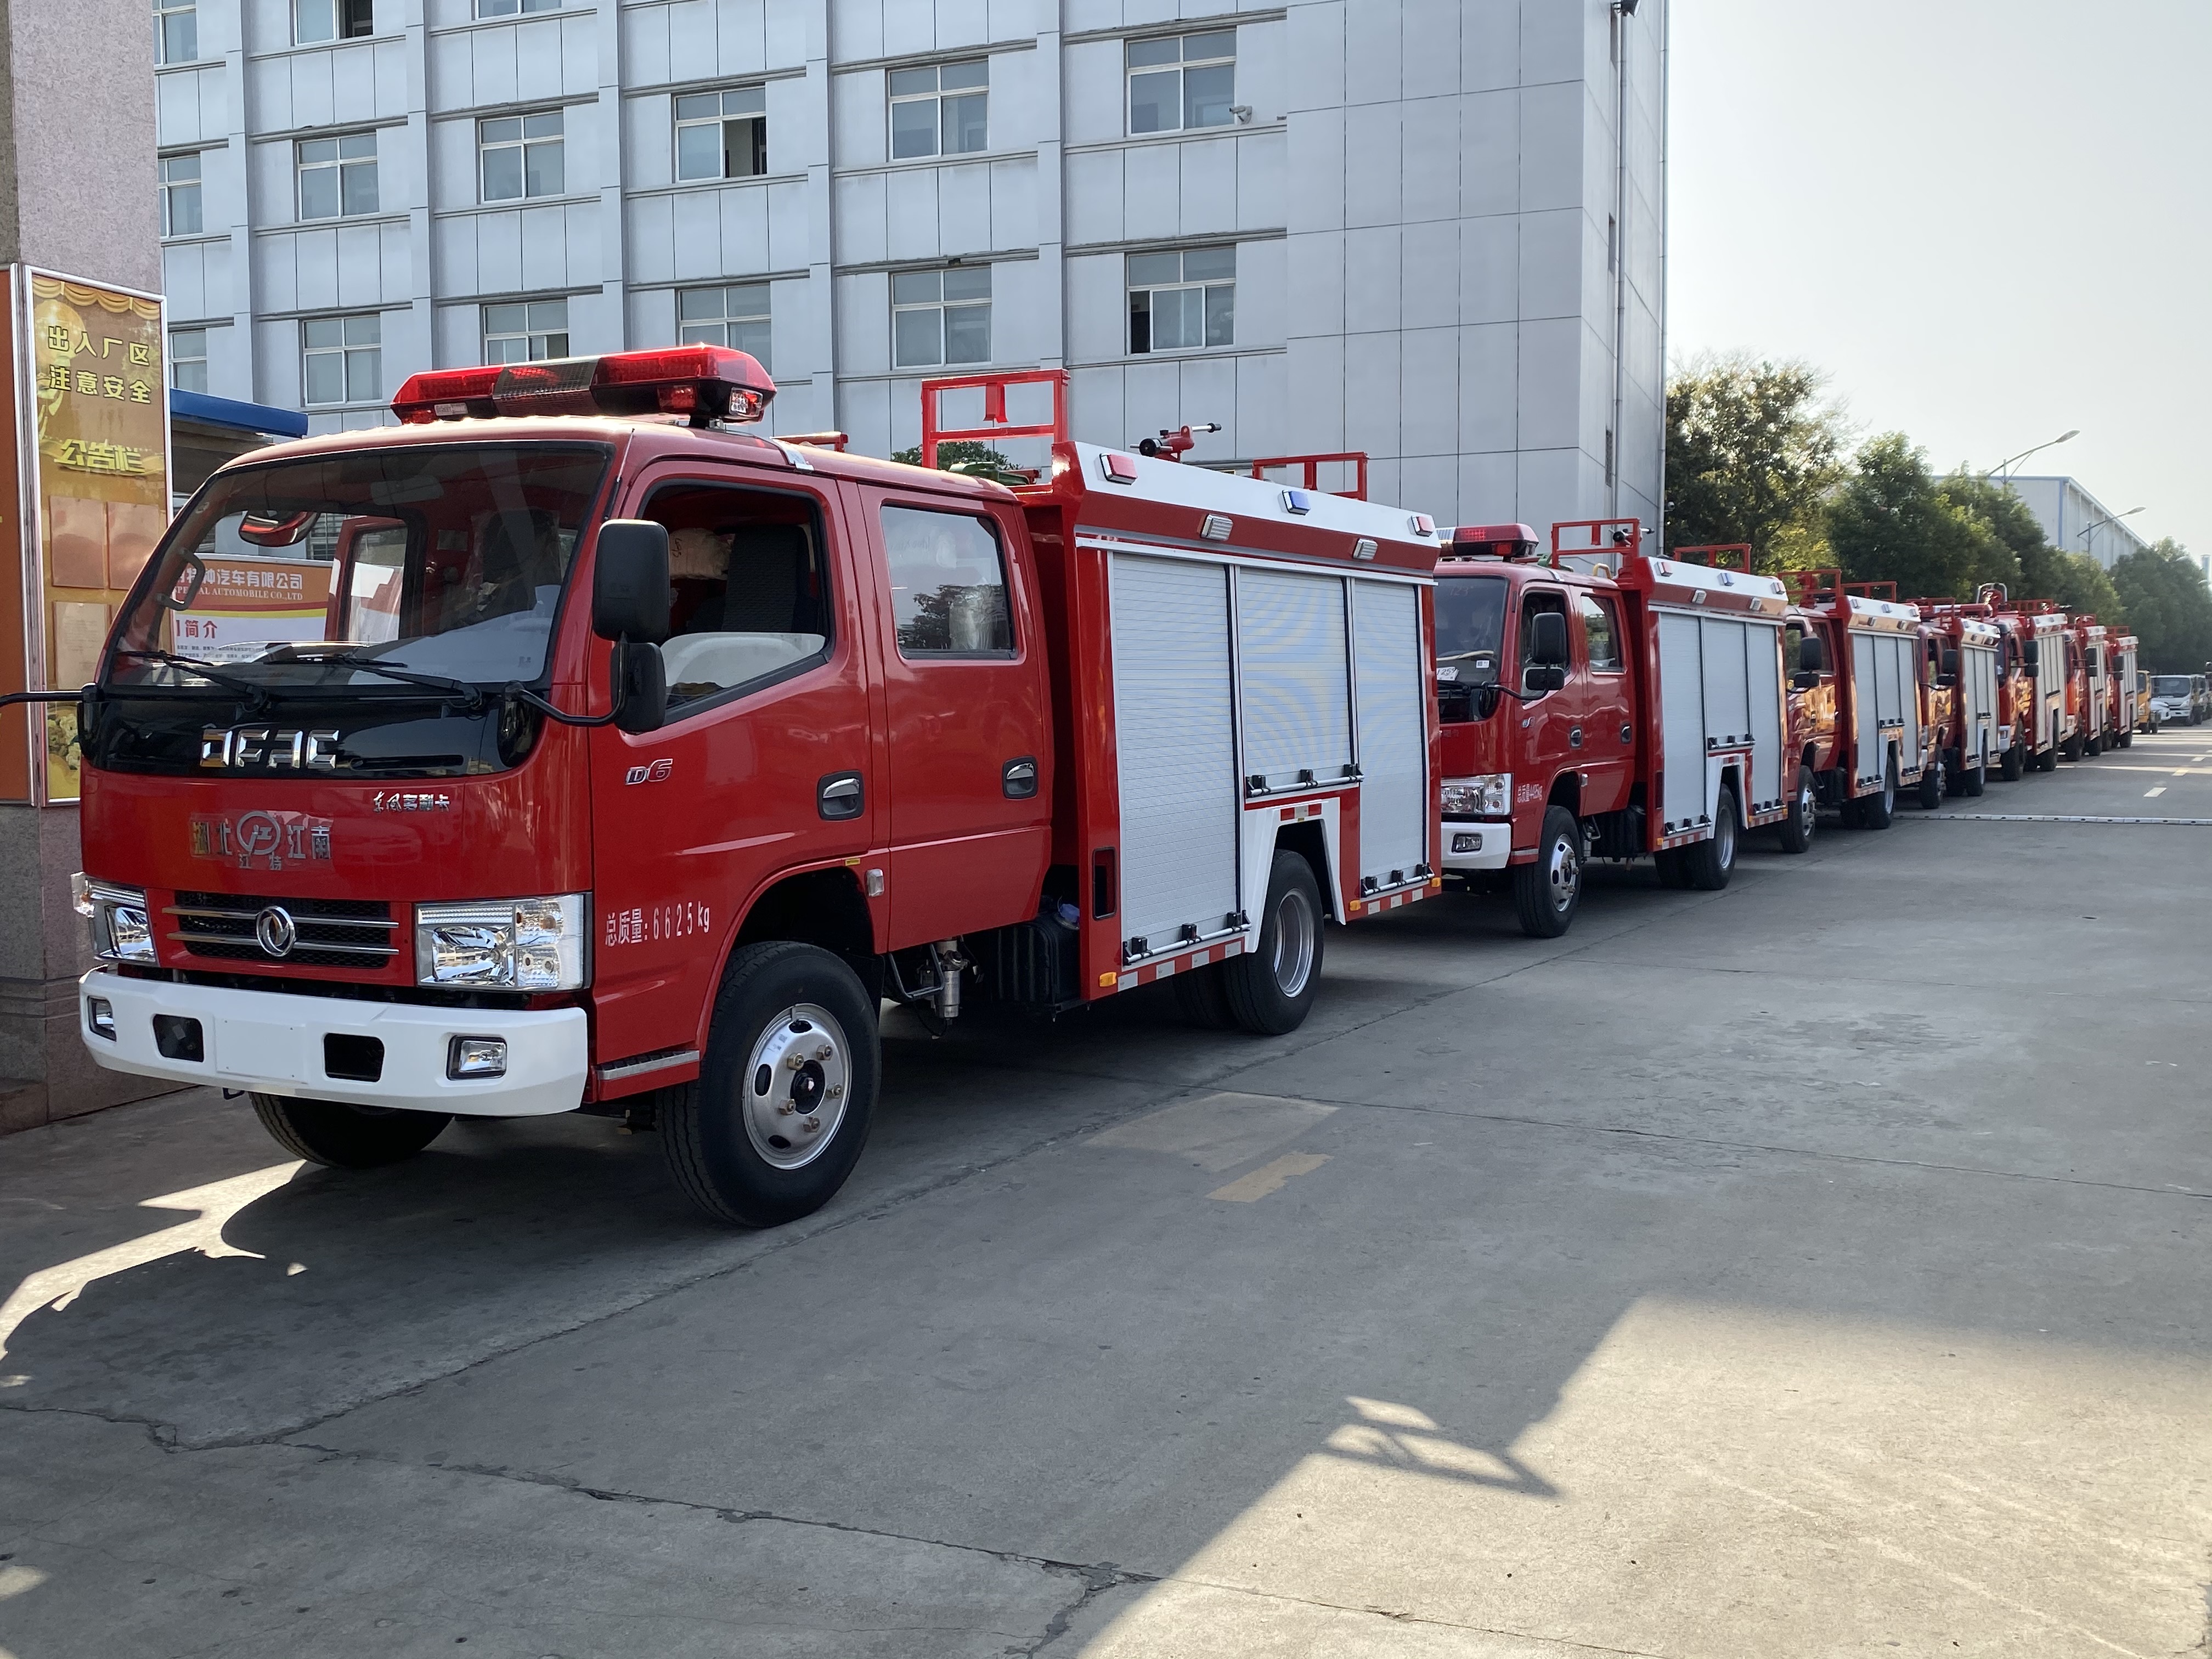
column 1574, row 736
column 839, row 795
column 1628, row 733
column 1019, row 778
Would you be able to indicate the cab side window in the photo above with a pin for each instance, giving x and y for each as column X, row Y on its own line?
column 749, row 600
column 1600, row 620
column 948, row 579
column 1532, row 606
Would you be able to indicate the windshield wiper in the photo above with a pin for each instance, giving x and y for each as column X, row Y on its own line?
column 257, row 697
column 472, row 697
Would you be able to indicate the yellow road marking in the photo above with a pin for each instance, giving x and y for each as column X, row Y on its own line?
column 1269, row 1178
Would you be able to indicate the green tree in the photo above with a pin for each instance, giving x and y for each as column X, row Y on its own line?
column 2169, row 607
column 1752, row 450
column 2046, row 572
column 1893, row 521
column 966, row 455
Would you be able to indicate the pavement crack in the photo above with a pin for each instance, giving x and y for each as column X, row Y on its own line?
column 1406, row 1616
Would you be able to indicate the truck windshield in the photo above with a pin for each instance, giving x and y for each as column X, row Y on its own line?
column 2169, row 685
column 445, row 561
column 1470, row 622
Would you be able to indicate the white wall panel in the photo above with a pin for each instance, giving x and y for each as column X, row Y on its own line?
column 784, row 40
column 857, row 27
column 1374, row 405
column 864, row 324
column 1371, row 278
column 1489, row 387
column 748, row 242
column 856, row 106
column 862, row 237
column 909, row 26
column 1371, row 164
column 1314, row 54
column 1371, row 52
column 741, row 29
column 962, row 23
column 790, row 226
column 1093, row 202
column 1093, row 108
column 1262, row 424
column 910, row 214
column 1152, row 189
column 1207, row 168
column 1550, row 264
column 1095, row 297
column 645, row 46
column 1262, row 190
column 1261, row 299
column 963, row 208
column 1014, row 205
column 694, row 50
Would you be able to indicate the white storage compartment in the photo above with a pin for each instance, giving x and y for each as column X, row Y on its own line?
column 1392, row 670
column 1297, row 677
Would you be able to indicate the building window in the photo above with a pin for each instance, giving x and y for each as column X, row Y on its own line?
column 526, row 331
column 1182, row 80
column 317, row 21
column 520, row 155
column 188, row 359
column 941, row 316
column 513, row 8
column 343, row 359
column 722, row 134
column 181, row 195
column 1182, row 301
column 176, row 32
column 942, row 109
column 736, row 317
column 338, row 176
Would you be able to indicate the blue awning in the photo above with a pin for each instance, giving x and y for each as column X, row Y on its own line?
column 240, row 416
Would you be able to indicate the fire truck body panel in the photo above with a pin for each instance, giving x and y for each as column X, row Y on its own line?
column 2120, row 672
column 1883, row 703
column 1970, row 734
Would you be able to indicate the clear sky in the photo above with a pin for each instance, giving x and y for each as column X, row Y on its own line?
column 1988, row 222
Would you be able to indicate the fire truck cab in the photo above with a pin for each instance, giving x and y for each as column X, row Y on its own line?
column 637, row 758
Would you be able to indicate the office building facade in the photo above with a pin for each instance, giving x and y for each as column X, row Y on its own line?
column 1432, row 231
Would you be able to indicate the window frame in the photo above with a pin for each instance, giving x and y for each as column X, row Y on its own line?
column 1535, row 600
column 350, row 19
column 340, row 164
column 489, row 8
column 765, row 318
column 1608, row 607
column 178, row 360
column 169, row 188
column 1014, row 651
column 522, row 143
column 940, row 96
column 1179, row 67
column 1203, row 286
column 724, row 119
column 659, row 483
column 529, row 333
column 942, row 306
column 344, row 350
column 164, row 11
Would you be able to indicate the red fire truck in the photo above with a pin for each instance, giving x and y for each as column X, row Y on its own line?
column 2050, row 714
column 1599, row 703
column 1857, row 664
column 2118, row 667
column 637, row 756
column 1968, row 649
column 2102, row 706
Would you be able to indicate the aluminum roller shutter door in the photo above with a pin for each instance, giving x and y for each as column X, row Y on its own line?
column 1682, row 715
column 1175, row 741
column 1763, row 667
column 1866, row 731
column 1394, row 750
column 1297, row 690
column 1728, row 698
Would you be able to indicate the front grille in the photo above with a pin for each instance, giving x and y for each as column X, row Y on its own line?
column 330, row 933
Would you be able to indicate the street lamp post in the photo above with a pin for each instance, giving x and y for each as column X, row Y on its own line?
column 2003, row 469
column 2110, row 518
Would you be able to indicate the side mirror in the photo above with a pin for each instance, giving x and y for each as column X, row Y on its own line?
column 2031, row 654
column 643, row 679
column 1805, row 679
column 629, row 582
column 1950, row 668
column 1544, row 677
column 1812, row 654
column 1547, row 640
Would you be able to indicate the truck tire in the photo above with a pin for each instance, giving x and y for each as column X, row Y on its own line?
column 1547, row 893
column 1708, row 864
column 792, row 1041
column 2014, row 766
column 1932, row 791
column 343, row 1137
column 2048, row 760
column 1668, row 863
column 1202, row 999
column 2074, row 746
column 1271, row 989
column 1973, row 783
column 1875, row 811
column 2094, row 746
column 2126, row 740
column 1795, row 832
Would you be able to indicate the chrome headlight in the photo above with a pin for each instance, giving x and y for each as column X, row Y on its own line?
column 1490, row 795
column 503, row 944
column 122, row 930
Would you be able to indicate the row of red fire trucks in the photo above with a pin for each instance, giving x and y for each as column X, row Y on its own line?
column 606, row 754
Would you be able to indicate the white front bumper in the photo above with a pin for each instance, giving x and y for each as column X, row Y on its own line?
column 1492, row 848
column 272, row 1042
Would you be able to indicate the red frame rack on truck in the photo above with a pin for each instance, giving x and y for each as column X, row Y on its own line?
column 636, row 757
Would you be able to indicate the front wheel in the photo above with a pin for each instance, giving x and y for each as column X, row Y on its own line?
column 1796, row 830
column 1270, row 989
column 776, row 1119
column 1547, row 893
column 343, row 1137
column 1708, row 864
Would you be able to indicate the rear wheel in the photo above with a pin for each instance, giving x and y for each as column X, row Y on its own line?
column 1668, row 863
column 2126, row 740
column 1875, row 811
column 1972, row 782
column 1796, row 830
column 2095, row 746
column 1202, row 999
column 1707, row 863
column 2048, row 760
column 777, row 1116
column 2074, row 746
column 343, row 1137
column 2014, row 766
column 1547, row 894
column 1931, row 784
column 1270, row 989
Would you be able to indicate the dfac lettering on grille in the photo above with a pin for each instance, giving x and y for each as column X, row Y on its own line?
column 301, row 933
column 279, row 750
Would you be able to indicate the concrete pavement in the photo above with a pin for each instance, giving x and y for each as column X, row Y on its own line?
column 1814, row 1267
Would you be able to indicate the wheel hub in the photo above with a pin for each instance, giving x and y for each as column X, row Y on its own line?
column 1564, row 874
column 795, row 1086
column 1294, row 943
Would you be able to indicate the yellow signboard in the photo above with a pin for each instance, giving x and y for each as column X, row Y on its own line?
column 98, row 411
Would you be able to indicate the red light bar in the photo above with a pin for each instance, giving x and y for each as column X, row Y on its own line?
column 705, row 383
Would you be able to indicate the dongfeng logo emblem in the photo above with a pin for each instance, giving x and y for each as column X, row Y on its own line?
column 275, row 931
